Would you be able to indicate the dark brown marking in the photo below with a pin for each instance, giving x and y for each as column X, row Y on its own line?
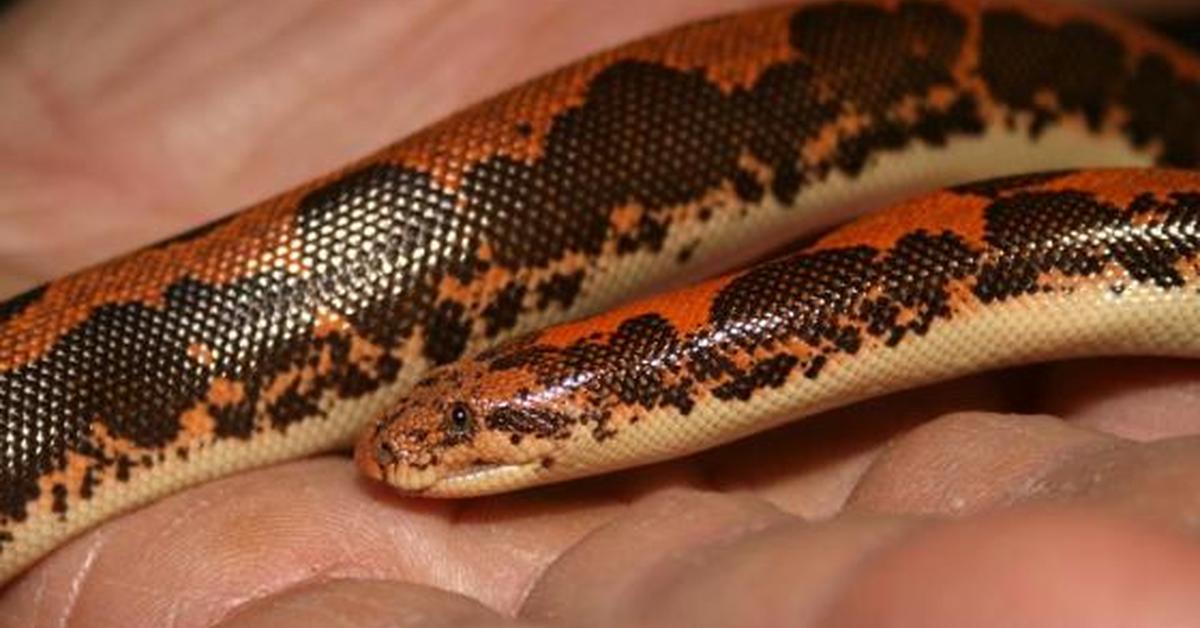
column 812, row 306
column 503, row 312
column 14, row 306
column 769, row 373
column 533, row 422
column 561, row 289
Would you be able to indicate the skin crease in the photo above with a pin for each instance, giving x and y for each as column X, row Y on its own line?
column 962, row 504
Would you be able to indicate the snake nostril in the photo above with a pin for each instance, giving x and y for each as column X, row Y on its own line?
column 381, row 425
column 384, row 454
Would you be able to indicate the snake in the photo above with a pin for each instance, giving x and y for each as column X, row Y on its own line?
column 420, row 299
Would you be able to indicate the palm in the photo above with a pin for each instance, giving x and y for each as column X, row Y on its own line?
column 163, row 118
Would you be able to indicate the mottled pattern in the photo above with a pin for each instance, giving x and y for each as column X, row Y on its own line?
column 295, row 316
column 801, row 319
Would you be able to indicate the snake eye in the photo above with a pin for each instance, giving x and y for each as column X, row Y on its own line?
column 458, row 422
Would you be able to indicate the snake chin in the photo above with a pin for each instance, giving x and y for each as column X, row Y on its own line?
column 408, row 479
column 484, row 479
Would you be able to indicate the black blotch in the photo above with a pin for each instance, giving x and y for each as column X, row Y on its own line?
column 649, row 234
column 846, row 338
column 233, row 420
column 1185, row 29
column 826, row 298
column 705, row 363
column 136, row 388
column 1021, row 223
column 124, row 465
column 502, row 313
column 769, row 373
column 447, row 333
column 89, row 483
column 644, row 134
column 624, row 366
column 1088, row 71
column 872, row 58
column 291, row 406
column 388, row 367
column 813, row 370
column 800, row 296
column 11, row 308
column 301, row 399
column 747, row 186
column 915, row 278
column 527, row 421
column 786, row 183
column 559, row 288
column 1162, row 106
column 685, row 252
column 600, row 425
column 679, row 396
column 625, row 363
column 889, row 53
column 1078, row 62
column 1040, row 232
column 59, row 504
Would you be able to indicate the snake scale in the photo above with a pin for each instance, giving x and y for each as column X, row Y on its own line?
column 289, row 327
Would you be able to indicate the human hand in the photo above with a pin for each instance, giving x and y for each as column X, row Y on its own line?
column 155, row 122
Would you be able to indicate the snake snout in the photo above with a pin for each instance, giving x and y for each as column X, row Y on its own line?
column 372, row 457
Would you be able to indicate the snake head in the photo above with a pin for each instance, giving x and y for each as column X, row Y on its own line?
column 463, row 430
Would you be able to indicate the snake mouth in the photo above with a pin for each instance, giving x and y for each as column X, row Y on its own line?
column 484, row 479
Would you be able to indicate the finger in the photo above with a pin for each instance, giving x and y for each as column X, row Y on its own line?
column 1135, row 398
column 966, row 462
column 1158, row 480
column 633, row 564
column 366, row 604
column 972, row 462
column 1060, row 567
column 195, row 557
column 700, row 560
column 809, row 468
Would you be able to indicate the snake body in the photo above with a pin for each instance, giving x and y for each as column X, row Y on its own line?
column 979, row 276
column 282, row 330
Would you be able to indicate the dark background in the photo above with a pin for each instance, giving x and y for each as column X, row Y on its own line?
column 1185, row 30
